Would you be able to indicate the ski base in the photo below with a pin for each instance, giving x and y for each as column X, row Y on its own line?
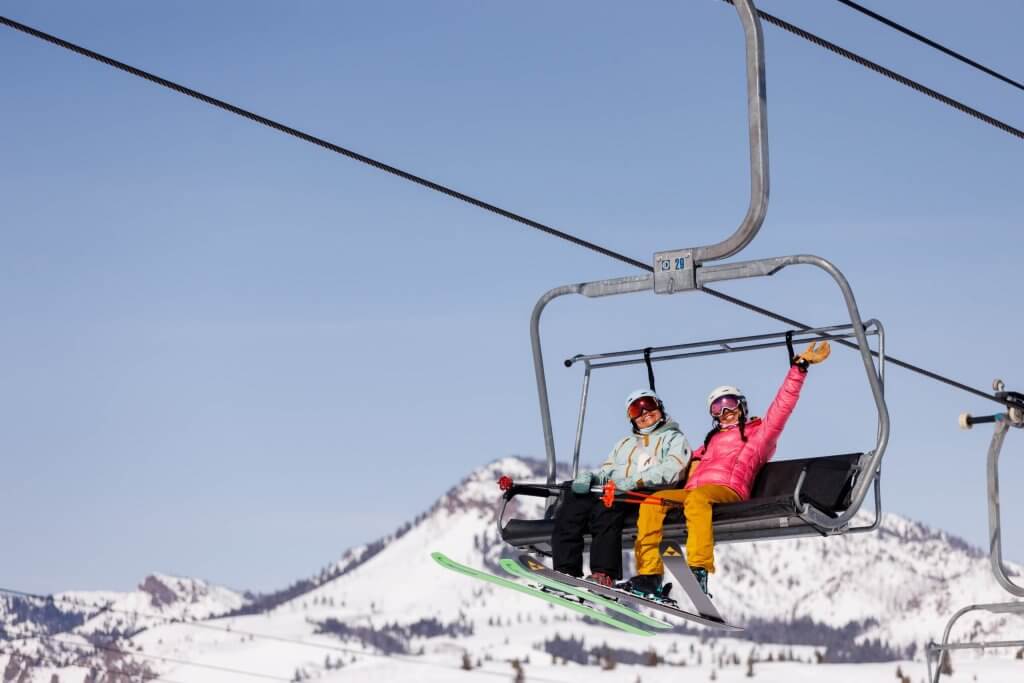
column 710, row 620
column 553, row 580
column 546, row 595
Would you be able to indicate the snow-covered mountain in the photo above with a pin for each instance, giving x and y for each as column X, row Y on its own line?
column 874, row 596
column 159, row 598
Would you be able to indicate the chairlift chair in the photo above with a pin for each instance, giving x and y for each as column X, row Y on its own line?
column 790, row 497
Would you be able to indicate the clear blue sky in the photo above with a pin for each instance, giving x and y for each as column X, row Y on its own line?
column 229, row 354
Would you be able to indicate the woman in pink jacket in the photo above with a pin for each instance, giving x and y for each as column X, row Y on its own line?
column 722, row 471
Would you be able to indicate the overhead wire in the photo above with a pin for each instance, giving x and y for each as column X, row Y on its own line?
column 60, row 42
column 890, row 74
column 931, row 43
column 159, row 658
column 164, row 621
column 312, row 139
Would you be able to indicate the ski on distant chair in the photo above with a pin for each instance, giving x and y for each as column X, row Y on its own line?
column 543, row 594
column 552, row 579
column 666, row 606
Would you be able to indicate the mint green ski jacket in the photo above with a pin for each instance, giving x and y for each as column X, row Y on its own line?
column 654, row 459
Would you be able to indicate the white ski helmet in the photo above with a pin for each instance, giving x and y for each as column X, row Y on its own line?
column 727, row 390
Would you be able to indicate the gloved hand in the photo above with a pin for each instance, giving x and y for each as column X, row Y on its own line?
column 581, row 484
column 812, row 355
column 624, row 483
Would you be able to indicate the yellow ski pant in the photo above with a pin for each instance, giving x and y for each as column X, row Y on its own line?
column 700, row 538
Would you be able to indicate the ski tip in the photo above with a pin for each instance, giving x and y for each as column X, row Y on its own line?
column 718, row 623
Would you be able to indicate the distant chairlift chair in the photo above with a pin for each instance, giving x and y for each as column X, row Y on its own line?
column 1013, row 417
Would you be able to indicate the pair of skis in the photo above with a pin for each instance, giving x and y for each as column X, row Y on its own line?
column 587, row 597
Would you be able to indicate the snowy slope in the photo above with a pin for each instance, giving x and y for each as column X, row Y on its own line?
column 888, row 591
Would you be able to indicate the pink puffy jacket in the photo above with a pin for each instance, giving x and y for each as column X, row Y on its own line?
column 728, row 461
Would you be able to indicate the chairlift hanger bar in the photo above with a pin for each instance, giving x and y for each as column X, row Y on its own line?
column 816, row 334
column 405, row 175
column 723, row 349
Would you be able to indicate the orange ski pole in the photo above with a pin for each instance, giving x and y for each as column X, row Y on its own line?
column 609, row 497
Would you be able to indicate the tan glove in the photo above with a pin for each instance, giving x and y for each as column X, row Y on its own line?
column 812, row 355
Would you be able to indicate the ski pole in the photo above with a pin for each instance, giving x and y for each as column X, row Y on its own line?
column 609, row 493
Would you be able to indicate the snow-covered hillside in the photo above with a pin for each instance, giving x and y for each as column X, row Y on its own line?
column 880, row 595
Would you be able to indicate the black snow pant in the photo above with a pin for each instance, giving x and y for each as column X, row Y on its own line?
column 578, row 515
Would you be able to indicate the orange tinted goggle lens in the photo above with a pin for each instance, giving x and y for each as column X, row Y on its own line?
column 644, row 404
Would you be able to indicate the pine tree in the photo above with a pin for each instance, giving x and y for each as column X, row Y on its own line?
column 520, row 674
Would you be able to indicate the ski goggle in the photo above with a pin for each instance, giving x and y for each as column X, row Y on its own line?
column 644, row 404
column 724, row 403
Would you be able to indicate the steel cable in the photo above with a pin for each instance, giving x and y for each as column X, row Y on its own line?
column 930, row 43
column 485, row 205
column 320, row 142
column 889, row 73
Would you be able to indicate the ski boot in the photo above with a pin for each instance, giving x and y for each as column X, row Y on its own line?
column 648, row 586
column 702, row 578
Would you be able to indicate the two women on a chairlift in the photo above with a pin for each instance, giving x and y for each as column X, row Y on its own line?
column 657, row 454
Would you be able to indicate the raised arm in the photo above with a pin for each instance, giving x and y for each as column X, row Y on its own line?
column 782, row 405
column 785, row 400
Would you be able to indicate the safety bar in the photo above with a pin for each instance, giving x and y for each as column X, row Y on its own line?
column 934, row 651
column 731, row 345
column 717, row 273
column 820, row 333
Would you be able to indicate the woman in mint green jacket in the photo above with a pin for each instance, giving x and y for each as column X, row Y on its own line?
column 655, row 454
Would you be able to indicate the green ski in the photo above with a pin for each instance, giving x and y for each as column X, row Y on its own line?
column 554, row 599
column 513, row 567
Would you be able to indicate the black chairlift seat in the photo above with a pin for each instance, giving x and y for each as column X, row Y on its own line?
column 779, row 493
